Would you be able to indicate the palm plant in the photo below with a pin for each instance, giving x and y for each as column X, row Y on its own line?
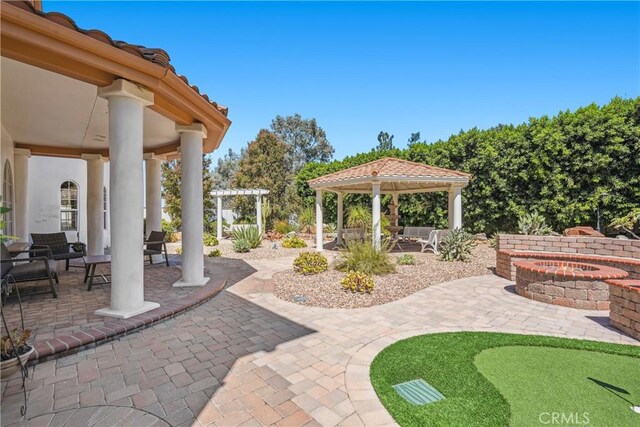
column 359, row 216
column 306, row 219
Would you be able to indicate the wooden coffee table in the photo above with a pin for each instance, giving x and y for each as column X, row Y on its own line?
column 91, row 262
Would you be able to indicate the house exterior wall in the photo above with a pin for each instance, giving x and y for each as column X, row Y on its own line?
column 6, row 153
column 46, row 174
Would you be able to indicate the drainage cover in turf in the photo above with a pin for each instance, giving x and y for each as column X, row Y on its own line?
column 418, row 392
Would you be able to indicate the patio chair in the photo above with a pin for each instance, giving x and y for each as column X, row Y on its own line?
column 38, row 266
column 60, row 248
column 156, row 245
column 431, row 243
column 351, row 234
column 409, row 233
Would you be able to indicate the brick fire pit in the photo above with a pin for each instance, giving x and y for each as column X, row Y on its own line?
column 625, row 306
column 566, row 283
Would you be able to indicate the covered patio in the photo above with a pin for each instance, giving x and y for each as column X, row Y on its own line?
column 388, row 176
column 74, row 93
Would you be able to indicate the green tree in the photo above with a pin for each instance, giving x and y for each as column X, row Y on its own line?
column 172, row 193
column 385, row 141
column 263, row 165
column 414, row 138
column 305, row 140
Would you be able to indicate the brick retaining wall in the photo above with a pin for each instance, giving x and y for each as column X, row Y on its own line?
column 575, row 245
column 624, row 296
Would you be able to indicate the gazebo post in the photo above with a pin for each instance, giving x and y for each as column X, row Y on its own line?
column 455, row 208
column 340, row 219
column 259, row 213
column 376, row 215
column 319, row 236
column 219, row 217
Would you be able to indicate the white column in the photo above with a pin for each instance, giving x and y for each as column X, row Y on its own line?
column 192, row 205
column 377, row 235
column 340, row 219
column 126, row 108
column 153, row 165
column 219, row 217
column 450, row 208
column 95, row 203
column 319, row 233
column 259, row 213
column 457, row 207
column 21, row 187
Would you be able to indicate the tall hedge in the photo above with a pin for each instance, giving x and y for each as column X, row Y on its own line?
column 561, row 166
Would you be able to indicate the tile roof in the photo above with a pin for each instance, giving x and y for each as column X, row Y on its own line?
column 154, row 55
column 390, row 167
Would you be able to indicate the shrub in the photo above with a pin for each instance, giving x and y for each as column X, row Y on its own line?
column 359, row 216
column 283, row 227
column 457, row 246
column 406, row 259
column 179, row 250
column 215, row 253
column 309, row 263
column 356, row 281
column 293, row 242
column 533, row 223
column 210, row 240
column 306, row 219
column 241, row 246
column 250, row 234
column 363, row 257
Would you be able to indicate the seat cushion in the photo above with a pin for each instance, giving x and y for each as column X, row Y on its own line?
column 36, row 270
column 152, row 252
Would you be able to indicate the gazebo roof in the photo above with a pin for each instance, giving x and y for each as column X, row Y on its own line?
column 394, row 176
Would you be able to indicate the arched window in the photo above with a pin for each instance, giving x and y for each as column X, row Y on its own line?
column 104, row 207
column 7, row 200
column 69, row 206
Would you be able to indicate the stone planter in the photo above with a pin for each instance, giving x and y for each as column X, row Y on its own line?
column 11, row 366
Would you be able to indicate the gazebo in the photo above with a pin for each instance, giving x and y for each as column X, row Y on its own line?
column 389, row 176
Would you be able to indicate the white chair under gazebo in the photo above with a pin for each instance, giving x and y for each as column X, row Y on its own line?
column 219, row 194
column 389, row 176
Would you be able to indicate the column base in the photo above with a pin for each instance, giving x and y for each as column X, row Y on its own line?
column 125, row 314
column 183, row 284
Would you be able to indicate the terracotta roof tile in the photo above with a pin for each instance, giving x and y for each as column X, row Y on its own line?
column 154, row 55
column 389, row 167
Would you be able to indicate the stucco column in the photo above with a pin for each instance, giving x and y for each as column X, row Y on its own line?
column 377, row 235
column 450, row 209
column 455, row 208
column 126, row 108
column 395, row 198
column 340, row 219
column 259, row 213
column 192, row 205
column 21, row 193
column 95, row 203
column 153, row 174
column 219, row 217
column 319, row 233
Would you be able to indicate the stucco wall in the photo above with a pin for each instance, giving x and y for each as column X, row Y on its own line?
column 46, row 174
column 6, row 153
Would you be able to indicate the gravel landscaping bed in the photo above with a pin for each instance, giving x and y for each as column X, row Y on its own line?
column 324, row 289
column 265, row 251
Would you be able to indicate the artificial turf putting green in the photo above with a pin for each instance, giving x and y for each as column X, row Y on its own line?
column 446, row 361
column 586, row 387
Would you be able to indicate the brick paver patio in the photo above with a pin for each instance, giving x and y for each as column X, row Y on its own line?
column 248, row 358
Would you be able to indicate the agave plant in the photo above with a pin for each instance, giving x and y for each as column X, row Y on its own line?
column 533, row 223
column 457, row 246
column 250, row 234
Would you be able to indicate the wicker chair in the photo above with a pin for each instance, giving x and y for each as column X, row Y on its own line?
column 32, row 269
column 60, row 248
column 156, row 245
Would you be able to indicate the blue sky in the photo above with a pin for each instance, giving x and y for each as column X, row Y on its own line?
column 361, row 67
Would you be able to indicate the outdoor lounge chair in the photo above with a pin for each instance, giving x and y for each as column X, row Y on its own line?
column 38, row 266
column 436, row 237
column 156, row 245
column 60, row 248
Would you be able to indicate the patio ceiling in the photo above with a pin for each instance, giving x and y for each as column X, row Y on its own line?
column 52, row 114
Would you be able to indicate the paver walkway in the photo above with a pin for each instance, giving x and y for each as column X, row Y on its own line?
column 246, row 357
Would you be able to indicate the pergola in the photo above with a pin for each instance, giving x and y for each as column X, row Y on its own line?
column 389, row 176
column 219, row 194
